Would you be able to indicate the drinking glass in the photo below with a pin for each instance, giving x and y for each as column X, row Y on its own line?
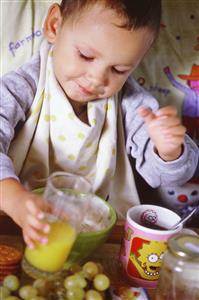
column 67, row 196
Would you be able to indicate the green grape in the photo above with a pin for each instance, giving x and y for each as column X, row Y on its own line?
column 11, row 282
column 100, row 267
column 12, row 298
column 27, row 292
column 80, row 273
column 4, row 292
column 101, row 282
column 81, row 281
column 75, row 293
column 90, row 269
column 93, row 295
column 70, row 282
column 41, row 285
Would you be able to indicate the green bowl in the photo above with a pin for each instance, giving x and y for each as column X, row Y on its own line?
column 87, row 242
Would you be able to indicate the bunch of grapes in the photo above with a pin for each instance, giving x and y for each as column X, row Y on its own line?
column 80, row 283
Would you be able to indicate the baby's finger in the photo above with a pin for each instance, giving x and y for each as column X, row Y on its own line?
column 35, row 235
column 166, row 111
column 175, row 131
column 166, row 122
column 147, row 114
column 169, row 121
column 28, row 241
column 35, row 223
column 34, row 210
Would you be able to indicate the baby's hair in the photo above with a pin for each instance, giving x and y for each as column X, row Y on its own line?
column 136, row 13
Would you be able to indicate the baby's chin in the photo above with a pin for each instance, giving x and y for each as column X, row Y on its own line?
column 83, row 99
column 76, row 96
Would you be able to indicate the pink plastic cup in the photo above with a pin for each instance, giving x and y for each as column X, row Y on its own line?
column 145, row 242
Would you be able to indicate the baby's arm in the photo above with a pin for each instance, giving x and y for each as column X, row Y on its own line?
column 149, row 164
column 16, row 96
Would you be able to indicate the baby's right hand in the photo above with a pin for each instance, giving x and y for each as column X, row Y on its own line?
column 33, row 226
column 26, row 209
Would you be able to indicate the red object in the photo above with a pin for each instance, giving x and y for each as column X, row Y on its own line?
column 182, row 198
column 194, row 74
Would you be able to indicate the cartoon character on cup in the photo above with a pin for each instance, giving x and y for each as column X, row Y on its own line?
column 145, row 258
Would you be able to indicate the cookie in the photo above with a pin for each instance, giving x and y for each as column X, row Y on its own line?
column 9, row 268
column 9, row 255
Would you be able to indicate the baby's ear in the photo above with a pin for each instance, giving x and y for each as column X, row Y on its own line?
column 52, row 23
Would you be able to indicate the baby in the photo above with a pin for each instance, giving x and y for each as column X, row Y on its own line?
column 75, row 108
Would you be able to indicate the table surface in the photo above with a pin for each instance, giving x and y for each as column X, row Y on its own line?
column 107, row 254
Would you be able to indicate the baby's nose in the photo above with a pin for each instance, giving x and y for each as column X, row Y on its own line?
column 98, row 77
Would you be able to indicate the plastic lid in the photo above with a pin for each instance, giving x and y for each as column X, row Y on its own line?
column 185, row 246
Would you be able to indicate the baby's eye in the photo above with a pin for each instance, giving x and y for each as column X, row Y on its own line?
column 152, row 258
column 85, row 57
column 118, row 71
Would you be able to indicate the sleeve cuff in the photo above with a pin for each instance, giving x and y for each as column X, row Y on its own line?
column 186, row 163
column 6, row 168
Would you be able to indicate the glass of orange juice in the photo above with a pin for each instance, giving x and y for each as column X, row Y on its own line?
column 67, row 196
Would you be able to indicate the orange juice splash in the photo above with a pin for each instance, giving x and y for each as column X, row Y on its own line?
column 51, row 257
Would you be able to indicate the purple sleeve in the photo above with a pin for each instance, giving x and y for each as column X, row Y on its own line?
column 16, row 96
column 151, row 167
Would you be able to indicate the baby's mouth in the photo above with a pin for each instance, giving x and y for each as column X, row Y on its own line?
column 91, row 91
column 86, row 91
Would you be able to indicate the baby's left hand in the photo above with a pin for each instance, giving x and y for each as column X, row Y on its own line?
column 165, row 130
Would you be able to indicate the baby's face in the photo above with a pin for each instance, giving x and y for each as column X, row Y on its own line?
column 93, row 56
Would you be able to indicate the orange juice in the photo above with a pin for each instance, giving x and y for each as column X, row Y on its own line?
column 50, row 257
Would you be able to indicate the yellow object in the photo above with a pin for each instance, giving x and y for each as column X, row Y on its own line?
column 147, row 259
column 51, row 257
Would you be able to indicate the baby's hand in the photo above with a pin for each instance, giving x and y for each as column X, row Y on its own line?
column 26, row 209
column 165, row 131
column 31, row 210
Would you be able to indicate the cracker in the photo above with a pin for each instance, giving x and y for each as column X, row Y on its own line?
column 9, row 255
